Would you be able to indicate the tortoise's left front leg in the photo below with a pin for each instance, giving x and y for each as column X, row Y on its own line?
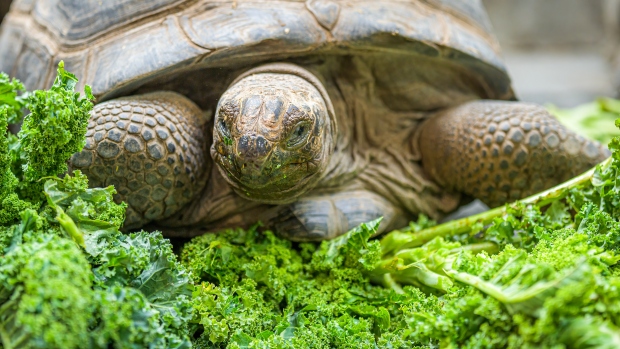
column 501, row 151
column 326, row 216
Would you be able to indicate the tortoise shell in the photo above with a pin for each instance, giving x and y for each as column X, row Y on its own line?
column 121, row 46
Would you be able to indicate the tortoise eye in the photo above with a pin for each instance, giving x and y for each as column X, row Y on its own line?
column 298, row 135
column 299, row 131
column 222, row 127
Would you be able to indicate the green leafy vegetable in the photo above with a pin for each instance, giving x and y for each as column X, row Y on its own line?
column 257, row 290
column 68, row 277
column 593, row 120
column 10, row 204
column 45, row 292
column 53, row 131
column 539, row 273
column 10, row 101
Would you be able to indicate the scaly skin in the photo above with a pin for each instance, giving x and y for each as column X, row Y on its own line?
column 151, row 148
column 273, row 137
column 503, row 151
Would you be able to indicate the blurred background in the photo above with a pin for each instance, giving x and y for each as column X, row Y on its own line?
column 563, row 52
column 4, row 8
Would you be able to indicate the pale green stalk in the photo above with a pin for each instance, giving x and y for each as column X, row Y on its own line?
column 464, row 225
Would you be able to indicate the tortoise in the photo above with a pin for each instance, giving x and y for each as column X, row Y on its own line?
column 311, row 117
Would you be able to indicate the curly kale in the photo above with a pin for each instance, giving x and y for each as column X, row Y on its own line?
column 257, row 290
column 55, row 128
column 12, row 98
column 548, row 297
column 137, row 293
column 11, row 106
column 69, row 278
column 10, row 203
column 261, row 291
column 45, row 295
column 49, row 299
column 136, row 273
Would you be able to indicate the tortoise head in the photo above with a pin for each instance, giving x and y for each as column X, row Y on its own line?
column 273, row 133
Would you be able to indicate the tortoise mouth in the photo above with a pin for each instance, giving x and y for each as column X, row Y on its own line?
column 283, row 184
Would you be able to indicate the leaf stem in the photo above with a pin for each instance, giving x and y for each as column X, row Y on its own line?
column 464, row 225
column 389, row 282
column 6, row 340
column 70, row 227
column 489, row 247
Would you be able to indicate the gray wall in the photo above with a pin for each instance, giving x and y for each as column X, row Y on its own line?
column 563, row 52
column 559, row 24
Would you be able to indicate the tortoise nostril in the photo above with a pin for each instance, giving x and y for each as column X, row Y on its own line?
column 262, row 147
column 251, row 147
column 243, row 146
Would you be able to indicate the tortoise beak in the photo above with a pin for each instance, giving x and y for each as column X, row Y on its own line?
column 251, row 156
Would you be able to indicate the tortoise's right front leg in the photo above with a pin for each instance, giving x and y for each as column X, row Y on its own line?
column 500, row 151
column 152, row 148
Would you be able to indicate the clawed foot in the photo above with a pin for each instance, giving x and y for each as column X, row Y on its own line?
column 323, row 217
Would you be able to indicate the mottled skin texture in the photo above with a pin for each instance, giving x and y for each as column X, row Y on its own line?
column 272, row 137
column 502, row 151
column 295, row 154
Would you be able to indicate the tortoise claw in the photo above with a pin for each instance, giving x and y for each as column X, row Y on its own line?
column 324, row 217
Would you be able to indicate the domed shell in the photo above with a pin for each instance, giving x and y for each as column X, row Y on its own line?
column 117, row 46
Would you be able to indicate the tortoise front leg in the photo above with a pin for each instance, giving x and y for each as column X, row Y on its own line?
column 501, row 151
column 326, row 216
column 152, row 148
